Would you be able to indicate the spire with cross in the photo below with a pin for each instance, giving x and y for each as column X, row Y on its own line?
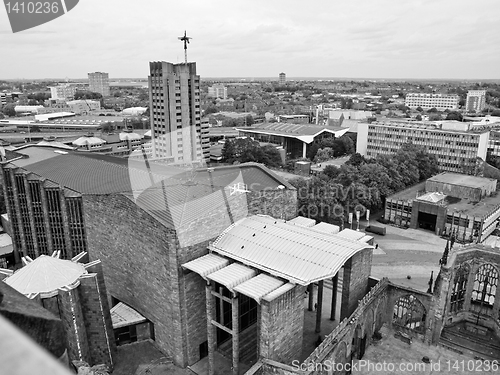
column 185, row 39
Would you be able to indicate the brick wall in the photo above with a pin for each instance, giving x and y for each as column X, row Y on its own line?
column 136, row 252
column 282, row 324
column 355, row 282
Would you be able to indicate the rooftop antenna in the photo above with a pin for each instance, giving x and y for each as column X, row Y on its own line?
column 185, row 39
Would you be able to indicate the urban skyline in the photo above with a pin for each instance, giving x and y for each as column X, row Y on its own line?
column 419, row 40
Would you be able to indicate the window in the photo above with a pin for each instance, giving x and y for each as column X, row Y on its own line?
column 409, row 313
column 485, row 287
column 459, row 288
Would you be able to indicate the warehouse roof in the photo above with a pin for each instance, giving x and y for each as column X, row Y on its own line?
column 461, row 180
column 303, row 132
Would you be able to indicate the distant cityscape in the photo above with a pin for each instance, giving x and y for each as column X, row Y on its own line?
column 181, row 224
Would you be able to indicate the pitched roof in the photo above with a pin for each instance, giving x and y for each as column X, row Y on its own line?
column 298, row 254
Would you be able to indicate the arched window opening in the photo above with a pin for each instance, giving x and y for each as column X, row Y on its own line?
column 485, row 288
column 409, row 313
column 459, row 288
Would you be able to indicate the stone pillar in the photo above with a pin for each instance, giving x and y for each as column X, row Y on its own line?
column 310, row 292
column 335, row 286
column 355, row 281
column 74, row 325
column 236, row 334
column 319, row 306
column 210, row 329
column 304, row 148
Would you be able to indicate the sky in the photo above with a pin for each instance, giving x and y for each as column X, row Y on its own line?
column 439, row 39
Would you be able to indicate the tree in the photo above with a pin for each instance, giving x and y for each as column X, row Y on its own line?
column 331, row 171
column 249, row 120
column 228, row 152
column 312, row 150
column 9, row 110
column 356, row 160
column 454, row 116
column 432, row 110
column 211, row 110
column 323, row 154
column 420, row 109
column 435, row 117
column 418, row 117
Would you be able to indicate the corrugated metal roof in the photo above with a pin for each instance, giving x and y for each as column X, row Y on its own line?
column 258, row 286
column 298, row 254
column 123, row 315
column 232, row 275
column 366, row 238
column 278, row 292
column 206, row 264
column 327, row 228
column 351, row 234
column 303, row 221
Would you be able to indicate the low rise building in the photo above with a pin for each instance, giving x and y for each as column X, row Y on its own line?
column 466, row 207
column 294, row 138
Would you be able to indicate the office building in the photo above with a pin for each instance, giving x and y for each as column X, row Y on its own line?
column 175, row 113
column 62, row 92
column 455, row 146
column 476, row 101
column 428, row 101
column 99, row 82
column 282, row 79
column 218, row 91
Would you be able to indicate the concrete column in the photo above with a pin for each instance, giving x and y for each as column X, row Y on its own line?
column 210, row 329
column 236, row 334
column 304, row 148
column 335, row 285
column 310, row 291
column 319, row 306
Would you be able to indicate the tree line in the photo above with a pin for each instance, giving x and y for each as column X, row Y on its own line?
column 362, row 183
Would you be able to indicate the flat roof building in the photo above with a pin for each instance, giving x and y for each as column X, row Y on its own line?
column 476, row 101
column 449, row 203
column 455, row 147
column 99, row 82
column 174, row 99
column 427, row 101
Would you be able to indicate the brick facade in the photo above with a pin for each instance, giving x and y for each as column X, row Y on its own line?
column 355, row 283
column 281, row 326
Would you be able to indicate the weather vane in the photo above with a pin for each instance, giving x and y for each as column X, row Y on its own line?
column 185, row 39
